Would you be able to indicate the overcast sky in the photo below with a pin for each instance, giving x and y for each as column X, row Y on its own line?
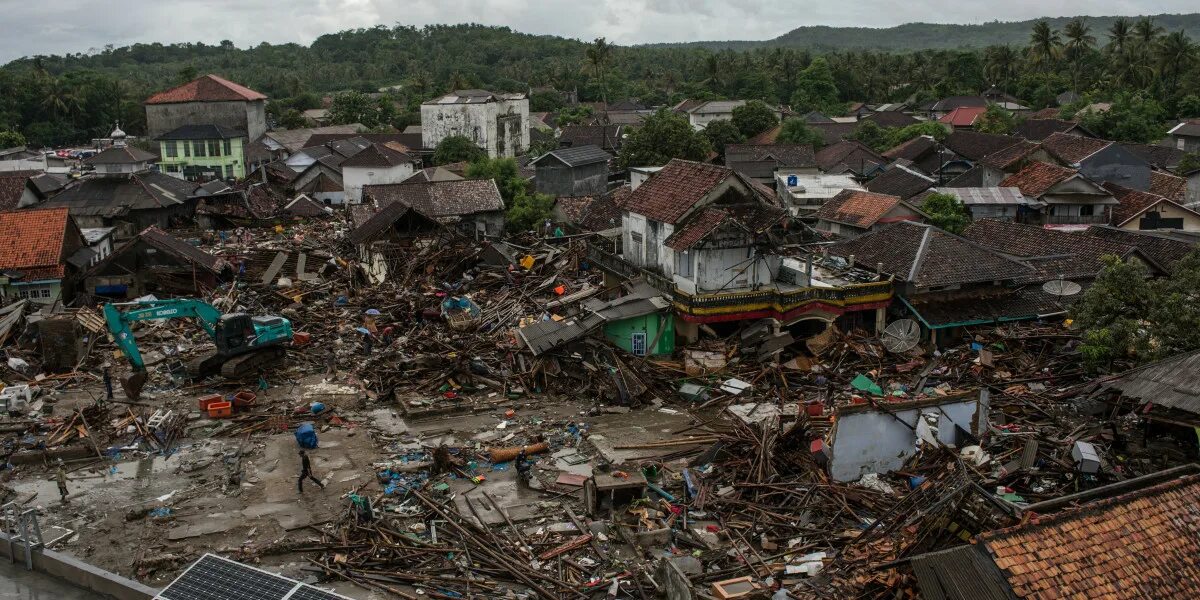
column 29, row 27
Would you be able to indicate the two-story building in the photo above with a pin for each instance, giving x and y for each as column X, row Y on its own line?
column 708, row 237
column 497, row 123
column 204, row 127
column 574, row 171
column 1071, row 200
column 203, row 152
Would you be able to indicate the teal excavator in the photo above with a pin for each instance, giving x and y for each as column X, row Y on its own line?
column 244, row 343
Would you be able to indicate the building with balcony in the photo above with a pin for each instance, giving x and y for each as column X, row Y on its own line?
column 710, row 239
column 1071, row 200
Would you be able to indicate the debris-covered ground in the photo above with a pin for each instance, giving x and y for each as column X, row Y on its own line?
column 715, row 471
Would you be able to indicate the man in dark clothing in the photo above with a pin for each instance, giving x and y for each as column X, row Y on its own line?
column 306, row 473
column 522, row 467
column 367, row 343
column 108, row 383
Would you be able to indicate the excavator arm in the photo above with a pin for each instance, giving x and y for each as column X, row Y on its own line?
column 119, row 322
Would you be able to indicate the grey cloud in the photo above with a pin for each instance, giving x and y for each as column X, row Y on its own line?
column 62, row 26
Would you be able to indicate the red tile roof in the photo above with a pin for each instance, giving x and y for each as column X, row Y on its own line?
column 1009, row 157
column 1132, row 202
column 963, row 116
column 208, row 88
column 1168, row 186
column 1073, row 148
column 696, row 228
column 31, row 242
column 1142, row 544
column 1037, row 177
column 670, row 193
column 857, row 208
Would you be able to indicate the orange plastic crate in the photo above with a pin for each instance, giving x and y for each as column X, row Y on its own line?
column 209, row 399
column 220, row 410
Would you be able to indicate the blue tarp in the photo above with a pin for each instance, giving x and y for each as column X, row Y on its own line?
column 306, row 436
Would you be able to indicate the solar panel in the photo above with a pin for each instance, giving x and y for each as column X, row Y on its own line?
column 216, row 578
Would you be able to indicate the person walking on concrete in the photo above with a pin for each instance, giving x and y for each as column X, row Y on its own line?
column 331, row 364
column 306, row 473
column 60, row 476
column 108, row 393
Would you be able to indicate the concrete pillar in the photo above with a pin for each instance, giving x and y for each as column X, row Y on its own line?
column 880, row 319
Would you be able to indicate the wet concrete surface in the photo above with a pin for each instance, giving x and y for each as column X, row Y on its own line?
column 18, row 584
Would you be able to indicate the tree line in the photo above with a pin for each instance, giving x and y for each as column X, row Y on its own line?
column 54, row 100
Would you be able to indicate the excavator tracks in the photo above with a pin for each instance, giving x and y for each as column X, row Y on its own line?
column 237, row 367
column 244, row 365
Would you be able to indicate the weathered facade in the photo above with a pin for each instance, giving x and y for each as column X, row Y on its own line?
column 497, row 123
column 208, row 100
column 576, row 171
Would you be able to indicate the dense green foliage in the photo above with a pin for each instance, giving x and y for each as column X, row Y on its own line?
column 947, row 212
column 9, row 139
column 995, row 120
column 796, row 131
column 525, row 210
column 505, row 172
column 753, row 118
column 663, row 136
column 62, row 99
column 882, row 138
column 1125, row 315
column 456, row 148
column 721, row 132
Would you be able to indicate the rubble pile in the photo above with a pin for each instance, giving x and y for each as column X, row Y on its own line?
column 463, row 460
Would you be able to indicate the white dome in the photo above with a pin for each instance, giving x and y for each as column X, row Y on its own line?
column 117, row 134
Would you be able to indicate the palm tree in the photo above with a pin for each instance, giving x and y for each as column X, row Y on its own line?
column 1119, row 34
column 1173, row 54
column 1044, row 44
column 599, row 55
column 1079, row 41
column 59, row 99
column 1145, row 31
column 1000, row 62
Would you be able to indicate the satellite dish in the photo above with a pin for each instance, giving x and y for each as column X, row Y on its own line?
column 902, row 335
column 1061, row 287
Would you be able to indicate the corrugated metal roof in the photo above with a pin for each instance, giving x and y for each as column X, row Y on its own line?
column 986, row 195
column 1170, row 383
column 962, row 573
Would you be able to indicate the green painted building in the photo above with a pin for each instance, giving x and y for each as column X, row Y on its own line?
column 644, row 335
column 197, row 152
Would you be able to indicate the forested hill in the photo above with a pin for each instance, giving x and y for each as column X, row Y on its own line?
column 932, row 36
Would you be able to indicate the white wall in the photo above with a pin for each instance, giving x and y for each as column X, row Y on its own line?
column 873, row 441
column 480, row 122
column 354, row 178
column 37, row 163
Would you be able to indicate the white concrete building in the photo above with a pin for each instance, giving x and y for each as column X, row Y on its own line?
column 497, row 123
column 374, row 165
column 702, row 112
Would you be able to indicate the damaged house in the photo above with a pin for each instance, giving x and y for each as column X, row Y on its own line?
column 473, row 206
column 155, row 262
column 126, row 194
column 707, row 238
column 43, row 250
column 947, row 282
column 853, row 212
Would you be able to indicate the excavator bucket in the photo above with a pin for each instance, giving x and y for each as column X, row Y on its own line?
column 133, row 384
